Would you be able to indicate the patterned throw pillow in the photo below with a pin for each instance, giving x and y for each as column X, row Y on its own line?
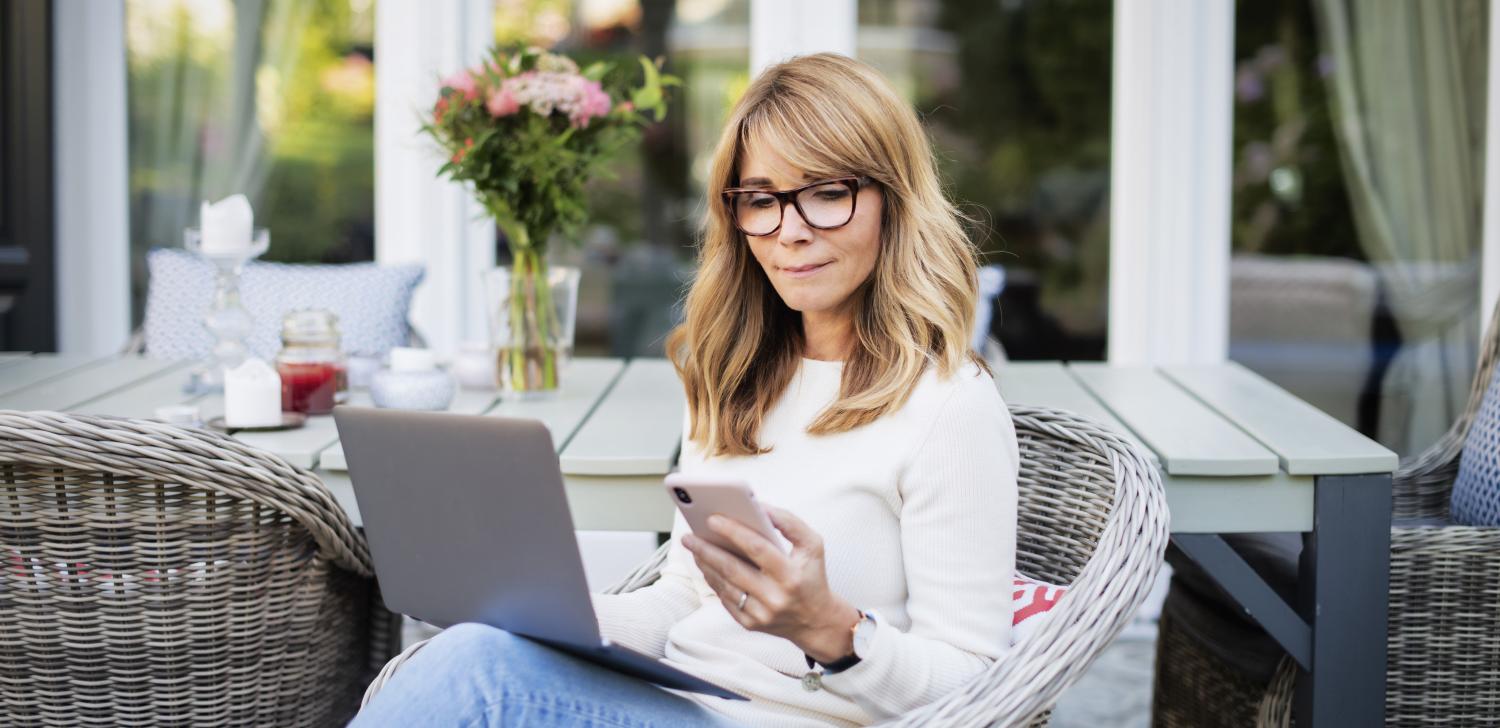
column 1032, row 601
column 1475, row 500
column 370, row 300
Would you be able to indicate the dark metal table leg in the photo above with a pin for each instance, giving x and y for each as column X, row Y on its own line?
column 1343, row 593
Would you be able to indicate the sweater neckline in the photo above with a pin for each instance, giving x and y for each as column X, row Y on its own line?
column 821, row 364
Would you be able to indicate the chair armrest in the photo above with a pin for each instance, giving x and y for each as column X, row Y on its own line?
column 1024, row 683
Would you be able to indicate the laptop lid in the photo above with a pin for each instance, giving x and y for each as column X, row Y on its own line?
column 467, row 521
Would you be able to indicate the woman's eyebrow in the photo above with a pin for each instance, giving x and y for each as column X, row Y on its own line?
column 764, row 182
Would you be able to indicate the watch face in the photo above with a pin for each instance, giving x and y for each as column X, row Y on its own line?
column 864, row 635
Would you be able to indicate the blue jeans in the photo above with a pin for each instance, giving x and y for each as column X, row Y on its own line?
column 476, row 675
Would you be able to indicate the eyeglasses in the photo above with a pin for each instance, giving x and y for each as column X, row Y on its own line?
column 825, row 205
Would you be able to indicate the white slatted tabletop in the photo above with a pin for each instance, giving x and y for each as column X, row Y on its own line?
column 1305, row 439
column 613, row 467
column 584, row 383
column 1238, row 453
column 144, row 397
column 40, row 368
column 68, row 390
column 636, row 429
column 1048, row 384
column 1188, row 436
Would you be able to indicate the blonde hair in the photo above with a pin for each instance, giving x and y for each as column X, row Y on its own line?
column 740, row 345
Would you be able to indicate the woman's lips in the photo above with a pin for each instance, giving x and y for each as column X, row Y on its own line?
column 805, row 270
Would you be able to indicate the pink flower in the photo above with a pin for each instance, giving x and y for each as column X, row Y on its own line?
column 502, row 102
column 571, row 95
column 463, row 83
column 625, row 107
column 592, row 101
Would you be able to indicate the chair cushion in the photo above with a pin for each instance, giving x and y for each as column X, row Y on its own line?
column 371, row 302
column 1032, row 601
column 1475, row 500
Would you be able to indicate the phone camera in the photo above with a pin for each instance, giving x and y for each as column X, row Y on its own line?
column 682, row 495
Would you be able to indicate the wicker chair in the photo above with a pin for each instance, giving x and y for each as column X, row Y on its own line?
column 1093, row 514
column 1443, row 664
column 162, row 576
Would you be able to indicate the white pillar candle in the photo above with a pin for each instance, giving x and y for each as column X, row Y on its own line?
column 226, row 226
column 252, row 395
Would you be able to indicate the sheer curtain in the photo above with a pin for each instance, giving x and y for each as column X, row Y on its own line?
column 200, row 71
column 1408, row 90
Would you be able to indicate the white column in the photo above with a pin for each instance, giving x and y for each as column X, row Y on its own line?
column 780, row 29
column 92, row 208
column 1169, row 181
column 419, row 217
column 1489, row 284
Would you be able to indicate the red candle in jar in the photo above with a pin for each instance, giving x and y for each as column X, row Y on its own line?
column 309, row 387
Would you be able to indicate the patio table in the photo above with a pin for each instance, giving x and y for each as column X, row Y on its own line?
column 1236, row 452
column 613, row 450
column 1239, row 454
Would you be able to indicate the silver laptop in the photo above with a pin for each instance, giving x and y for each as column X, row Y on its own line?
column 467, row 521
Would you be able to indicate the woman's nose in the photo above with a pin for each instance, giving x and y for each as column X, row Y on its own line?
column 793, row 228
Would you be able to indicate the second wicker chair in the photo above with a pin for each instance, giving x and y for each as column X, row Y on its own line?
column 159, row 576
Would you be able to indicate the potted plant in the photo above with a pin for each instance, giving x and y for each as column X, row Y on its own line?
column 525, row 131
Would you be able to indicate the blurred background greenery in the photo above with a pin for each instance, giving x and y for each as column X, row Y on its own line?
column 1016, row 96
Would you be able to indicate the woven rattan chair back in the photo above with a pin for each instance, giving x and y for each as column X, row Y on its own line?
column 1067, row 490
column 155, row 575
column 1092, row 514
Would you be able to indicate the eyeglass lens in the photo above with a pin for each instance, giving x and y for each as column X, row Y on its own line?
column 825, row 206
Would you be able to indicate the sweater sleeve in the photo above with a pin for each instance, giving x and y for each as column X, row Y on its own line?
column 642, row 619
column 958, row 539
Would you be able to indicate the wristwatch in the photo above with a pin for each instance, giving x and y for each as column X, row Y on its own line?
column 863, row 633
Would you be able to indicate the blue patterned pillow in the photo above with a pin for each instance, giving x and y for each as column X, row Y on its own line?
column 370, row 300
column 1476, row 492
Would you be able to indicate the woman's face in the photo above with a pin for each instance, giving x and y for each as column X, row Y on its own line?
column 814, row 271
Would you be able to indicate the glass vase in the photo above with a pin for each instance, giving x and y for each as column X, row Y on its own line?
column 531, row 309
column 227, row 318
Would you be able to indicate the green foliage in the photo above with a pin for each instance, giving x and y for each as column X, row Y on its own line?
column 1283, row 133
column 315, row 123
column 527, row 130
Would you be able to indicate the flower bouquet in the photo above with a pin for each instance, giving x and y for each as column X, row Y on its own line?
column 525, row 131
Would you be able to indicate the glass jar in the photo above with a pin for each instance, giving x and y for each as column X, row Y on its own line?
column 314, row 374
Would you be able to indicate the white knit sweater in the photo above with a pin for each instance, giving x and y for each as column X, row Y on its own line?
column 918, row 516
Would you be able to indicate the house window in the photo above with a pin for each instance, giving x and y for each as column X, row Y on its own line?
column 274, row 100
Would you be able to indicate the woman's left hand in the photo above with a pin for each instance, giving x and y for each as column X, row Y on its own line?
column 784, row 594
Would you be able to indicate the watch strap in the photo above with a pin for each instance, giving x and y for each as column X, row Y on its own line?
column 837, row 666
column 845, row 662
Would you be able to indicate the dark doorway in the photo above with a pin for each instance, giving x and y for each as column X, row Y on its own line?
column 28, row 290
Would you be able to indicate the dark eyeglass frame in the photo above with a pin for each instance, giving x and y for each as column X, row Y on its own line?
column 854, row 184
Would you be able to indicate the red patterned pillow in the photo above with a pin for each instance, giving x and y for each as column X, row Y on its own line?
column 1032, row 600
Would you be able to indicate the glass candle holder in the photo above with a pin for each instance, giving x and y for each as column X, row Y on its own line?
column 314, row 373
column 227, row 319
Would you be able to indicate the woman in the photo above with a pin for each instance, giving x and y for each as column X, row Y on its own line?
column 826, row 362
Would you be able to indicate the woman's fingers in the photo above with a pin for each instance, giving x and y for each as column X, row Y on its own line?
column 796, row 530
column 752, row 615
column 732, row 567
column 762, row 551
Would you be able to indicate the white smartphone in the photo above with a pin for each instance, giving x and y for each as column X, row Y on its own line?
column 699, row 496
